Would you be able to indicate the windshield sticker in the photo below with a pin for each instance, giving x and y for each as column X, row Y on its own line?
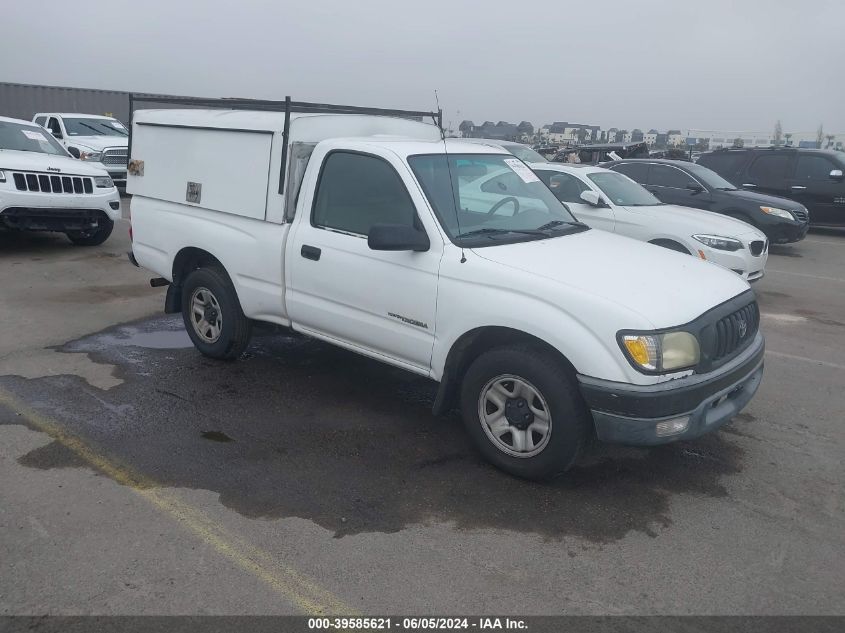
column 522, row 170
column 34, row 135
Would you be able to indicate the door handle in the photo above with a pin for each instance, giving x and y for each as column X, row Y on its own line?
column 310, row 252
column 798, row 188
column 748, row 184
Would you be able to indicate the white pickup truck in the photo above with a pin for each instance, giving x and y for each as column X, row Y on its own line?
column 99, row 139
column 366, row 232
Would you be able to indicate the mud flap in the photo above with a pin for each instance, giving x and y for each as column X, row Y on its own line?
column 173, row 299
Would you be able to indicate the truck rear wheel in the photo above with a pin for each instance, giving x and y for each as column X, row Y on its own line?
column 94, row 237
column 213, row 316
column 523, row 411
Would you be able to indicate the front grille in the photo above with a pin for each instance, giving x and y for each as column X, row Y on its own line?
column 756, row 247
column 800, row 214
column 47, row 183
column 736, row 330
column 116, row 156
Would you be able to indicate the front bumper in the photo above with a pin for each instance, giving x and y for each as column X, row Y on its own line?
column 786, row 232
column 742, row 262
column 630, row 414
column 38, row 211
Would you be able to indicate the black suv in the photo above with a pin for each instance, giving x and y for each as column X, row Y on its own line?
column 691, row 185
column 813, row 177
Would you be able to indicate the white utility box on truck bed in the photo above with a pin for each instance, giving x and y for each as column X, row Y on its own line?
column 373, row 233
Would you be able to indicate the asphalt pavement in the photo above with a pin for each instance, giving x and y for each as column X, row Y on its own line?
column 139, row 477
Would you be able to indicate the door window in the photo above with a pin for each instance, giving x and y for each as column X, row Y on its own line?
column 812, row 167
column 566, row 187
column 727, row 164
column 356, row 191
column 769, row 168
column 53, row 126
column 638, row 172
column 666, row 176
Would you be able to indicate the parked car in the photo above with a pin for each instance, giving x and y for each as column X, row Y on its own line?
column 522, row 152
column 43, row 188
column 810, row 177
column 608, row 200
column 600, row 153
column 692, row 185
column 359, row 231
column 91, row 137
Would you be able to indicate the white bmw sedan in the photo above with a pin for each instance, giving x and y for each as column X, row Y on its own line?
column 608, row 200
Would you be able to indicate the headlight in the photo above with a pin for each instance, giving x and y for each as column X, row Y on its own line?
column 781, row 213
column 86, row 155
column 718, row 242
column 103, row 182
column 661, row 353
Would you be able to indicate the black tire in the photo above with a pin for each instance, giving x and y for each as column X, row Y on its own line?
column 671, row 245
column 92, row 238
column 570, row 421
column 235, row 329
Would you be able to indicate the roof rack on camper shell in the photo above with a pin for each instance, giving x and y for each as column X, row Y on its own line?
column 287, row 106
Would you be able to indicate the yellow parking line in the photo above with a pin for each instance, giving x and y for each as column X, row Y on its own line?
column 309, row 597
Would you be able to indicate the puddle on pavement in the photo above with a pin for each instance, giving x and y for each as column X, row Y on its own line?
column 52, row 455
column 160, row 334
column 350, row 444
column 216, row 436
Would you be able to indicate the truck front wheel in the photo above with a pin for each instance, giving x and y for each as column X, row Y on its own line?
column 523, row 411
column 212, row 314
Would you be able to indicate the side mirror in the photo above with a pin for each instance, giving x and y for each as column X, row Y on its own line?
column 397, row 237
column 593, row 198
column 695, row 187
column 836, row 174
column 73, row 151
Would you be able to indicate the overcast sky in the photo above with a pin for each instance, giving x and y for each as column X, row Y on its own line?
column 713, row 64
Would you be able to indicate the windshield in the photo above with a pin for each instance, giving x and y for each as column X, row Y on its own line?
column 710, row 177
column 28, row 138
column 499, row 197
column 94, row 127
column 525, row 154
column 623, row 191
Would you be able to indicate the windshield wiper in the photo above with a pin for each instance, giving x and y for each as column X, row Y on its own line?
column 492, row 231
column 550, row 225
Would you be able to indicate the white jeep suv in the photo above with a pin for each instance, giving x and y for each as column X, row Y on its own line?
column 91, row 137
column 42, row 188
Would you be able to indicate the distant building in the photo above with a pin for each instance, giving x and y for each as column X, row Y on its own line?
column 650, row 137
column 501, row 131
column 561, row 132
column 637, row 135
column 675, row 138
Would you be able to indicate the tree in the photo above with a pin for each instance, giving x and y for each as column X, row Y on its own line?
column 738, row 142
column 703, row 144
column 819, row 136
column 582, row 134
column 788, row 137
column 778, row 133
column 830, row 138
column 603, row 137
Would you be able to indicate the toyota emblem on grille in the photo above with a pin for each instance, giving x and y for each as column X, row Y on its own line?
column 743, row 327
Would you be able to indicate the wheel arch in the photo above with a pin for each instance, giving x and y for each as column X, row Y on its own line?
column 187, row 259
column 671, row 244
column 472, row 344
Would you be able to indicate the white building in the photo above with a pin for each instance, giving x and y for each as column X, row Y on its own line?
column 650, row 137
